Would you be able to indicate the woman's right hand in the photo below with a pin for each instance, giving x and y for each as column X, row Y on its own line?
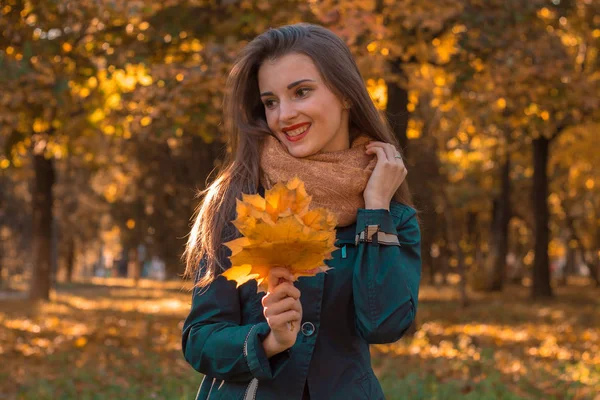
column 281, row 306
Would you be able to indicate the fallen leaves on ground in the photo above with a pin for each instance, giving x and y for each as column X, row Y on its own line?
column 544, row 350
column 108, row 339
column 97, row 341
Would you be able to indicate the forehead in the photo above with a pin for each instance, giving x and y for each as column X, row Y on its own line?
column 275, row 75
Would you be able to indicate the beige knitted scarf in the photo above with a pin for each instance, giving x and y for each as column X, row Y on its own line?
column 335, row 180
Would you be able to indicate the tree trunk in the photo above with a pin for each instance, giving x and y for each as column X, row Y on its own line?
column 500, row 234
column 473, row 237
column 594, row 268
column 425, row 204
column 425, row 181
column 594, row 265
column 1, row 232
column 571, row 263
column 444, row 265
column 455, row 234
column 462, row 272
column 396, row 111
column 1, row 264
column 397, row 115
column 446, row 249
column 70, row 261
column 439, row 235
column 134, row 268
column 42, row 228
column 518, row 269
column 540, row 287
column 591, row 264
column 1, row 255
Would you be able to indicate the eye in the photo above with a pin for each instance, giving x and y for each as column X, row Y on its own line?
column 302, row 92
column 269, row 103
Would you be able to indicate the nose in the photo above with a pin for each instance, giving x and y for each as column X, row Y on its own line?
column 287, row 111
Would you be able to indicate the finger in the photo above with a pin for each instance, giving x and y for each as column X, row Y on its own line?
column 377, row 150
column 275, row 274
column 281, row 272
column 286, row 289
column 391, row 153
column 277, row 307
column 376, row 143
column 389, row 149
column 281, row 306
column 281, row 320
column 402, row 167
column 398, row 158
column 283, row 290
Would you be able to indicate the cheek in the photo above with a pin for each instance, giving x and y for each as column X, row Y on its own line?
column 271, row 119
column 321, row 110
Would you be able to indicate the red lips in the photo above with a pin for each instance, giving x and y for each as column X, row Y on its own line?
column 291, row 128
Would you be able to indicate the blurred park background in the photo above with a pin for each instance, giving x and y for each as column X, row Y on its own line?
column 110, row 119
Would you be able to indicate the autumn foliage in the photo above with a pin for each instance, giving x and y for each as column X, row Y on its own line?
column 280, row 230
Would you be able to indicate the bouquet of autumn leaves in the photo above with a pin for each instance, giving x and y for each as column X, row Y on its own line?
column 279, row 230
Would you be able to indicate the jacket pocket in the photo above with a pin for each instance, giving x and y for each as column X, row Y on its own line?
column 370, row 386
column 227, row 390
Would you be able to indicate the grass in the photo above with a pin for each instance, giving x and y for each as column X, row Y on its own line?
column 105, row 339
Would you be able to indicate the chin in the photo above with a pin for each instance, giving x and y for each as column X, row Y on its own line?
column 301, row 151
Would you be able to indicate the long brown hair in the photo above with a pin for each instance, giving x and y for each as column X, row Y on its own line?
column 246, row 128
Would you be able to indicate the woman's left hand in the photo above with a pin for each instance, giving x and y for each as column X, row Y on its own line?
column 386, row 178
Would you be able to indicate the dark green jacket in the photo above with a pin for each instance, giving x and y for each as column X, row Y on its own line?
column 370, row 296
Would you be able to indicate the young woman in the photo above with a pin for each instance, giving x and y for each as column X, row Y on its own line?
column 297, row 106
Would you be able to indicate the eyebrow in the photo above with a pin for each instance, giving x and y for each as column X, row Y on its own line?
column 291, row 85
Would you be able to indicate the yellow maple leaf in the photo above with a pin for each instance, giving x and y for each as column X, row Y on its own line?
column 280, row 230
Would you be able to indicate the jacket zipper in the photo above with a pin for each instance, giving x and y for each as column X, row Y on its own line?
column 253, row 385
column 211, row 387
column 251, row 390
column 246, row 344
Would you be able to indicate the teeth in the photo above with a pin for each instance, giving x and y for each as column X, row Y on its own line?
column 298, row 131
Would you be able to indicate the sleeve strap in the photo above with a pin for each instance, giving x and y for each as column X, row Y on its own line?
column 373, row 234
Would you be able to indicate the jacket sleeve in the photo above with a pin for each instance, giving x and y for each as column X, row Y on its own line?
column 386, row 277
column 215, row 344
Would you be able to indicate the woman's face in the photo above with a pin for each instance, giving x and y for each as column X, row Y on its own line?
column 301, row 110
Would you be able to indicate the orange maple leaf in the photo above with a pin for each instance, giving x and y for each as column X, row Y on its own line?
column 280, row 230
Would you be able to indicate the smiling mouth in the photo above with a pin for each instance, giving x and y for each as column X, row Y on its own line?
column 297, row 131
